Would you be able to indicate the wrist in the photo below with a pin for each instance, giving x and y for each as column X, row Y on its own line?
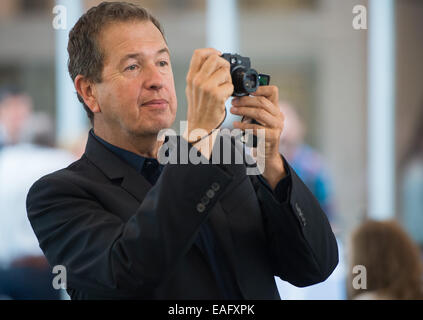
column 195, row 133
column 274, row 170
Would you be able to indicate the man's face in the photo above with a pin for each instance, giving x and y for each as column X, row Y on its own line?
column 137, row 93
column 14, row 112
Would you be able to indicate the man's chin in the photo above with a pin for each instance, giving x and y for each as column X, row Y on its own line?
column 152, row 131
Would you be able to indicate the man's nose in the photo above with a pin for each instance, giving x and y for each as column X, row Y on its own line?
column 154, row 79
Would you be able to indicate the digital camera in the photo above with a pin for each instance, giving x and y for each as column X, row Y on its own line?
column 245, row 79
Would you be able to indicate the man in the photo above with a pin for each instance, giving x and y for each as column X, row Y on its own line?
column 15, row 109
column 24, row 271
column 125, row 226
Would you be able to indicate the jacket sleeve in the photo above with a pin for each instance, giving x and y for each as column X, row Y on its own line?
column 104, row 255
column 302, row 245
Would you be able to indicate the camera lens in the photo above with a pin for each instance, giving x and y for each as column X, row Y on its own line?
column 250, row 81
column 244, row 81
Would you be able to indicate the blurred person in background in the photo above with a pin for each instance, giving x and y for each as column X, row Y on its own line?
column 24, row 271
column 412, row 186
column 15, row 108
column 307, row 162
column 393, row 267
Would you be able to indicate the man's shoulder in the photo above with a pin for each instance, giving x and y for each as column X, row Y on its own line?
column 77, row 173
column 75, row 168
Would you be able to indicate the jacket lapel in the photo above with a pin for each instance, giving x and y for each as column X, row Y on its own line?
column 115, row 168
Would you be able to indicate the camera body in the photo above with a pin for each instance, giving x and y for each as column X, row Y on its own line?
column 245, row 79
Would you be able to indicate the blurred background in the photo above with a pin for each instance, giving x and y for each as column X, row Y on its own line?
column 350, row 77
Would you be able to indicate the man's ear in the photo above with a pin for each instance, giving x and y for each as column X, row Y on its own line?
column 86, row 89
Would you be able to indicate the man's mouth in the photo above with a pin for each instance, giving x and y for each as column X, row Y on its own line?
column 156, row 103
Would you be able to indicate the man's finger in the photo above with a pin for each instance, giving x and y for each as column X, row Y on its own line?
column 198, row 58
column 227, row 89
column 219, row 77
column 261, row 116
column 257, row 102
column 212, row 64
column 270, row 92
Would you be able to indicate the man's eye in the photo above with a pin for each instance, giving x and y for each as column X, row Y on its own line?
column 163, row 63
column 132, row 67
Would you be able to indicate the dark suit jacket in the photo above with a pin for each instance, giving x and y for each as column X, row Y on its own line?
column 121, row 238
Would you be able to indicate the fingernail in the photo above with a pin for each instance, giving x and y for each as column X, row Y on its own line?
column 234, row 109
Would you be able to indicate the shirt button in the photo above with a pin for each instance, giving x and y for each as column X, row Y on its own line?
column 201, row 207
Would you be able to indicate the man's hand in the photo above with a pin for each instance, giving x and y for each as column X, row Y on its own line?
column 209, row 85
column 262, row 106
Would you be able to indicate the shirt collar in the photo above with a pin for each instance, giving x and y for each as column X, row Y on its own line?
column 134, row 160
